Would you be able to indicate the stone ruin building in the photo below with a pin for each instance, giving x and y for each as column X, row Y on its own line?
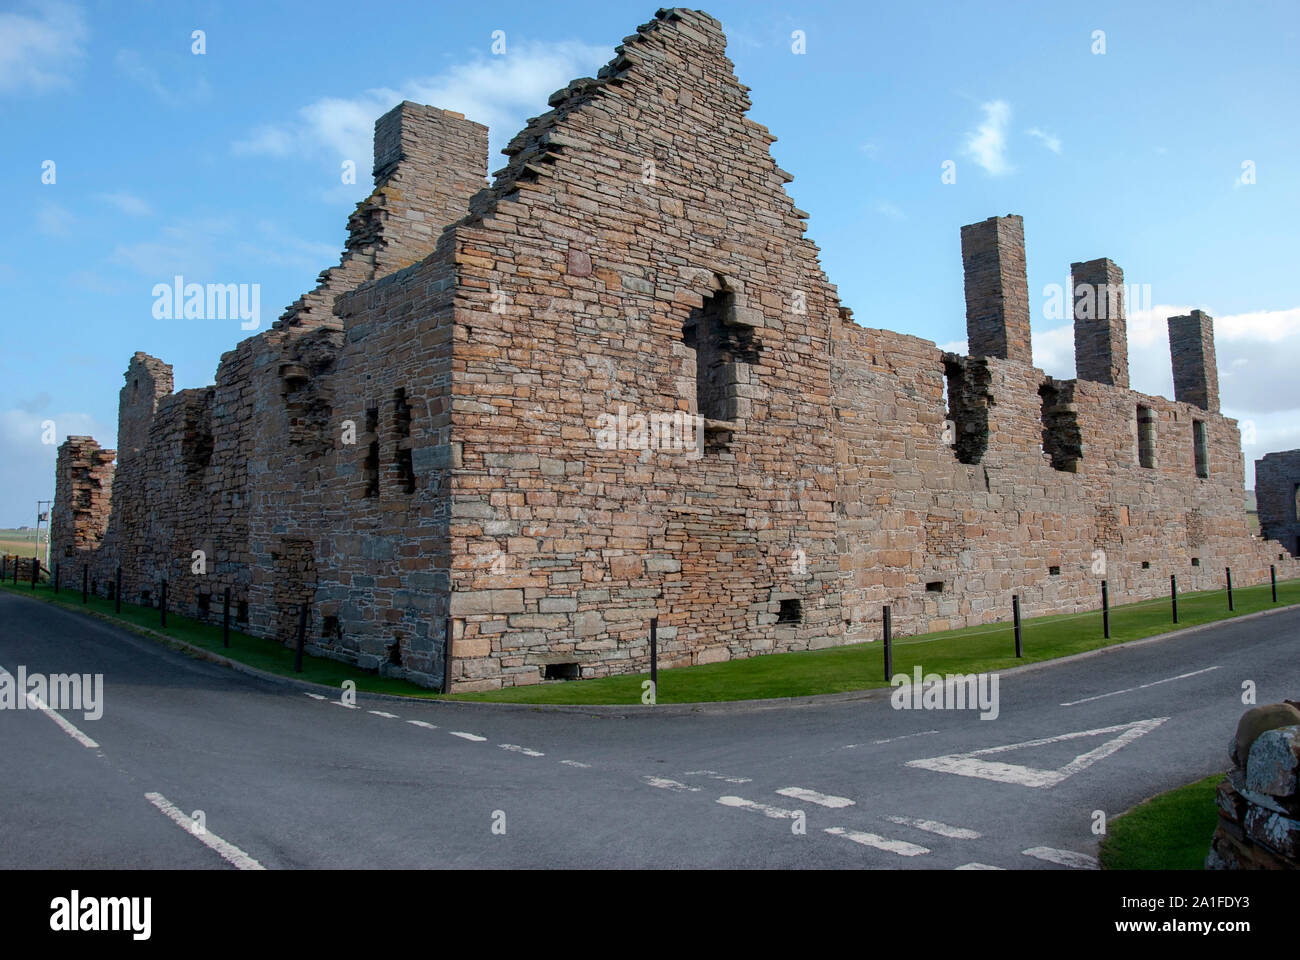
column 638, row 256
column 1277, row 492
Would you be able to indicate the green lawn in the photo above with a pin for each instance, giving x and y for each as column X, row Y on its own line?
column 256, row 652
column 1169, row 832
column 836, row 670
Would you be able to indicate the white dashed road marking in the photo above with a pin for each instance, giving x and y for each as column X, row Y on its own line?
column 909, row 736
column 228, row 851
column 812, row 796
column 977, row 866
column 467, row 736
column 314, row 696
column 714, row 775
column 1066, row 858
column 663, row 783
column 422, row 723
column 900, row 847
column 934, row 826
column 776, row 813
column 1154, row 683
column 524, row 750
column 970, row 764
column 381, row 713
column 38, row 704
column 340, row 703
column 576, row 763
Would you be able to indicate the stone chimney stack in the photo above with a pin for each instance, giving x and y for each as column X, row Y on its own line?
column 997, row 289
column 148, row 380
column 1100, row 332
column 1191, row 347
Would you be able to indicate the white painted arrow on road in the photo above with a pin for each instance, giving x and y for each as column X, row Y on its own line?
column 970, row 764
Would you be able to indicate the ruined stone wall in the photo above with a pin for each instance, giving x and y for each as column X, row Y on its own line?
column 640, row 215
column 1277, row 492
column 79, row 515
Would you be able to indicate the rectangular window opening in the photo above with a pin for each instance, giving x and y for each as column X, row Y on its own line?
column 1201, row 449
column 934, row 586
column 372, row 453
column 1054, row 571
column 791, row 612
column 1146, row 437
column 1146, row 564
column 561, row 671
column 402, row 431
column 1196, row 561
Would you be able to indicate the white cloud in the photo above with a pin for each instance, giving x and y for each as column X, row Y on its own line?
column 36, row 49
column 127, row 203
column 132, row 65
column 1051, row 142
column 499, row 91
column 987, row 143
column 887, row 209
column 54, row 220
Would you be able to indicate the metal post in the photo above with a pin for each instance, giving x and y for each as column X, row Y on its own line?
column 302, row 637
column 36, row 570
column 15, row 569
column 889, row 643
column 55, row 577
column 1230, row 606
column 654, row 656
column 85, row 581
column 1173, row 593
column 450, row 639
column 4, row 566
column 117, row 591
column 225, row 618
column 162, row 606
column 1015, row 615
column 1105, row 610
column 1272, row 575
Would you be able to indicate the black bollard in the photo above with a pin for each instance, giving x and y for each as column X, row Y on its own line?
column 55, row 577
column 85, row 581
column 1015, row 616
column 1173, row 593
column 1230, row 606
column 1272, row 575
column 117, row 591
column 889, row 643
column 225, row 618
column 302, row 637
column 162, row 606
column 654, row 657
column 1105, row 610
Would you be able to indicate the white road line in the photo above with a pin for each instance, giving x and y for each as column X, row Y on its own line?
column 1154, row 683
column 38, row 704
column 977, row 866
column 346, row 706
column 909, row 736
column 228, row 851
column 900, row 847
column 381, row 713
column 467, row 736
column 714, row 775
column 576, row 763
column 314, row 696
column 934, row 826
column 812, row 796
column 971, row 765
column 776, row 813
column 1066, row 858
column 663, row 783
column 422, row 723
column 524, row 750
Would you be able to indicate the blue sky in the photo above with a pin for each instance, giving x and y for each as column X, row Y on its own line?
column 225, row 167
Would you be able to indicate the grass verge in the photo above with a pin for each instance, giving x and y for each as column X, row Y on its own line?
column 1171, row 831
column 806, row 673
column 256, row 652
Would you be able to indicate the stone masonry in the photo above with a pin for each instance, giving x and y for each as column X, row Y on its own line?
column 518, row 420
column 1277, row 492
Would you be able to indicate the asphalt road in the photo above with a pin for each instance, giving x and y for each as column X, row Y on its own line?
column 284, row 779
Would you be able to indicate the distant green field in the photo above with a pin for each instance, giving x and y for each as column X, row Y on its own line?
column 22, row 542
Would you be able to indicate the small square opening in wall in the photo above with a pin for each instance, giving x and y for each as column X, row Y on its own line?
column 1146, row 564
column 791, row 612
column 145, row 599
column 561, row 671
column 330, row 629
column 241, row 612
column 1054, row 571
column 205, row 603
column 934, row 586
column 1196, row 561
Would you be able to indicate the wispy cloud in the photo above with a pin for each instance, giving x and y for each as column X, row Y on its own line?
column 133, row 66
column 127, row 203
column 38, row 49
column 1051, row 142
column 987, row 143
column 54, row 220
column 499, row 91
column 887, row 209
